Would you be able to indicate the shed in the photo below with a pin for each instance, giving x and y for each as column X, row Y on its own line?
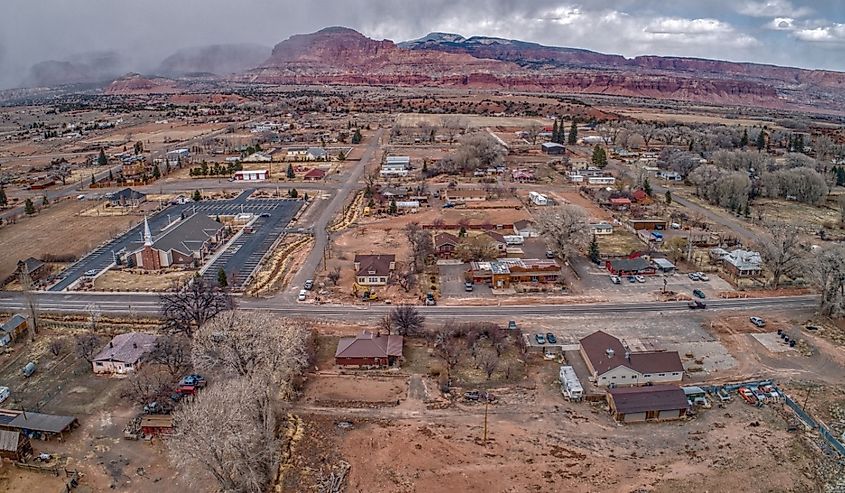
column 13, row 328
column 655, row 402
column 664, row 265
column 552, row 148
column 156, row 424
column 14, row 445
column 36, row 424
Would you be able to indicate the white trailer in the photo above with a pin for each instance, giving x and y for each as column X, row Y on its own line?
column 514, row 239
column 570, row 386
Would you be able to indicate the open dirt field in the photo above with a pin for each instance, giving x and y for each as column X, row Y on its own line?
column 342, row 389
column 135, row 281
column 690, row 118
column 57, row 230
column 414, row 119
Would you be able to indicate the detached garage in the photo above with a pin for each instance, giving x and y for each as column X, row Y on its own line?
column 650, row 403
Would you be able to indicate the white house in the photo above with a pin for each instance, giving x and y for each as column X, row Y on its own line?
column 576, row 177
column 538, row 198
column 258, row 157
column 251, row 175
column 601, row 180
column 601, row 228
column 525, row 229
column 669, row 175
column 612, row 364
column 176, row 155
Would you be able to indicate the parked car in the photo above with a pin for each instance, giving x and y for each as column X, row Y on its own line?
column 264, row 214
column 429, row 299
column 309, row 284
column 696, row 305
column 702, row 276
column 468, row 286
column 615, row 280
column 550, row 254
column 540, row 338
column 91, row 273
column 551, row 338
column 698, row 293
column 511, row 325
column 29, row 369
column 632, row 279
column 694, row 276
column 4, row 393
column 640, row 279
column 192, row 380
column 302, row 294
column 759, row 322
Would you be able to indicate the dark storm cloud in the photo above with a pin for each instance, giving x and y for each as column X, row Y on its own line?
column 806, row 33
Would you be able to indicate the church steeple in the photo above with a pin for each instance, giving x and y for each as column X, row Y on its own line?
column 148, row 237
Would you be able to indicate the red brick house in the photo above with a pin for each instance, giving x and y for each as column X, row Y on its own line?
column 630, row 267
column 445, row 244
column 369, row 350
column 314, row 174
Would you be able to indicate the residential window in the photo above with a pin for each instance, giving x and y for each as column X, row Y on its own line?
column 674, row 374
column 614, row 378
column 99, row 363
column 647, row 375
column 661, row 374
column 623, row 376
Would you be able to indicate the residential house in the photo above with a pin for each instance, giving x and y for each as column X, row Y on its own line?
column 445, row 244
column 13, row 328
column 462, row 196
column 620, row 203
column 369, row 350
column 500, row 274
column 314, row 174
column 316, row 154
column 124, row 353
column 126, row 198
column 654, row 403
column 296, row 153
column 611, row 363
column 575, row 177
column 669, row 175
column 649, row 224
column 498, row 240
column 601, row 229
column 537, row 198
column 526, row 229
column 32, row 267
column 606, row 180
column 718, row 254
column 177, row 156
column 259, row 157
column 522, row 175
column 396, row 166
column 552, row 148
column 184, row 243
column 392, row 193
column 374, row 270
column 251, row 175
column 630, row 267
column 743, row 263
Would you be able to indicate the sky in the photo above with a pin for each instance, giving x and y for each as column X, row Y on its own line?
column 802, row 33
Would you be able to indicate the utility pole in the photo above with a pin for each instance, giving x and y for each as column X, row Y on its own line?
column 486, row 406
column 807, row 399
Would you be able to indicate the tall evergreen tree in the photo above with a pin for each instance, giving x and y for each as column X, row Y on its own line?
column 293, row 193
column 197, row 196
column 668, row 197
column 156, row 172
column 29, row 207
column 573, row 134
column 392, row 209
column 222, row 280
column 290, row 174
column 647, row 187
column 599, row 156
column 743, row 142
column 44, row 201
column 4, row 201
column 102, row 160
column 595, row 255
column 761, row 140
column 555, row 135
column 356, row 137
column 561, row 133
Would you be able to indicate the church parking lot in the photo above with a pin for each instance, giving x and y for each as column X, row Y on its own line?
column 239, row 258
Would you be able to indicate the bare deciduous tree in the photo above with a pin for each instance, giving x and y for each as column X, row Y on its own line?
column 477, row 248
column 783, row 253
column 236, row 344
column 407, row 280
column 334, row 275
column 533, row 131
column 567, row 227
column 187, row 310
column 173, row 352
column 406, row 320
column 447, row 347
column 828, row 268
column 31, row 302
column 148, row 384
column 453, row 125
column 227, row 434
column 87, row 345
column 488, row 361
column 58, row 346
column 422, row 245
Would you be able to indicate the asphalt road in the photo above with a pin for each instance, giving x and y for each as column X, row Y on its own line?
column 321, row 236
column 240, row 262
column 148, row 304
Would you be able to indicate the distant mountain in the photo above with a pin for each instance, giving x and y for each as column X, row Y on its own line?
column 219, row 59
column 79, row 69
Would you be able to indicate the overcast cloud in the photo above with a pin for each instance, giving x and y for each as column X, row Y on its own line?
column 804, row 33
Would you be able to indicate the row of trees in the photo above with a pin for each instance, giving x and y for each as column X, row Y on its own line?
column 479, row 150
column 216, row 169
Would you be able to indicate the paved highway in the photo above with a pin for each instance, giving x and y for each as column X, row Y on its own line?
column 147, row 304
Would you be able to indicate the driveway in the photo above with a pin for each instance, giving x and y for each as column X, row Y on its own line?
column 452, row 283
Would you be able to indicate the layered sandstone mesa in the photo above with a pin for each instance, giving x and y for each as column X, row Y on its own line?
column 139, row 84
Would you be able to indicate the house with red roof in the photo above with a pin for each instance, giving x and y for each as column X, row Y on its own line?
column 613, row 364
column 369, row 350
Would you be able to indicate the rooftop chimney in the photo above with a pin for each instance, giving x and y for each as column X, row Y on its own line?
column 609, row 352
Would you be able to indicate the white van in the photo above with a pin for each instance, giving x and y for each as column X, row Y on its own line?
column 302, row 294
column 4, row 393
